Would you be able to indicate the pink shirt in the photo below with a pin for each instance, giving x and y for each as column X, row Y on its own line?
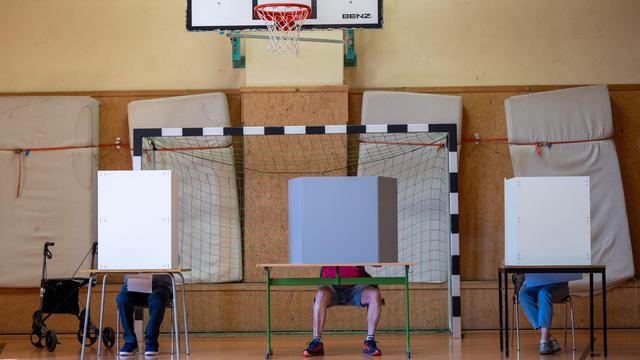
column 345, row 272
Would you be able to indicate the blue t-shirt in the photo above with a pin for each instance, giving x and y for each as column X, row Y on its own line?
column 533, row 280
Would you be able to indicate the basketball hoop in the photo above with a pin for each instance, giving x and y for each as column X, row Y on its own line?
column 284, row 21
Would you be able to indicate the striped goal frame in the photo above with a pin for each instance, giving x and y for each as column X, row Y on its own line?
column 455, row 318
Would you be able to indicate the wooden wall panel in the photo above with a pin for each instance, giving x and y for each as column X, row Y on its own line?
column 266, row 236
column 625, row 105
column 484, row 166
column 239, row 307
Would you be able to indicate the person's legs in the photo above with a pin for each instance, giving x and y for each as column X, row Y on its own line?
column 157, row 302
column 370, row 296
column 548, row 295
column 126, row 301
column 528, row 299
column 325, row 297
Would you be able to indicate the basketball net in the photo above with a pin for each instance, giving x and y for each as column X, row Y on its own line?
column 283, row 21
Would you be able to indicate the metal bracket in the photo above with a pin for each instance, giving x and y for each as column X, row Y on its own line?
column 350, row 56
column 236, row 51
column 239, row 62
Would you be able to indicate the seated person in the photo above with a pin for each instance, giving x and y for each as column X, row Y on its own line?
column 356, row 295
column 157, row 301
column 536, row 299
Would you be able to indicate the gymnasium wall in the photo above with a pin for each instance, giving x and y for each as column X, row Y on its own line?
column 467, row 48
column 482, row 166
column 75, row 45
column 482, row 169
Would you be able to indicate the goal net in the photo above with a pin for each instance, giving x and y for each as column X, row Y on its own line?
column 233, row 194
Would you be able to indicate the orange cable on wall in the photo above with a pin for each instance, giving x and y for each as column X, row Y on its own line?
column 538, row 144
column 27, row 151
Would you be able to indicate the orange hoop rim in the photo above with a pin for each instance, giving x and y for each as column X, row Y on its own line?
column 289, row 15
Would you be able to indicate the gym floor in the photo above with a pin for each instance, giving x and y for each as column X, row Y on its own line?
column 623, row 344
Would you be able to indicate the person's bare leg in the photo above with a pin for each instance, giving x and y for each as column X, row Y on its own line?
column 371, row 297
column 323, row 298
column 545, row 334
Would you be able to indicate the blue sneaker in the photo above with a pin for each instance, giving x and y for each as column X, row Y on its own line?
column 370, row 347
column 315, row 348
column 151, row 350
column 128, row 349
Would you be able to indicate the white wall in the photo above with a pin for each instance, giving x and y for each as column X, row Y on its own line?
column 53, row 45
column 501, row 42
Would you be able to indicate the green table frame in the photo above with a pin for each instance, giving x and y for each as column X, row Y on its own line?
column 400, row 280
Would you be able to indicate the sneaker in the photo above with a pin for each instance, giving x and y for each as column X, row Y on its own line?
column 545, row 348
column 370, row 347
column 555, row 346
column 151, row 350
column 128, row 349
column 314, row 348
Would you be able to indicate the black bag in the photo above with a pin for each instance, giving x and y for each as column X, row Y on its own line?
column 61, row 296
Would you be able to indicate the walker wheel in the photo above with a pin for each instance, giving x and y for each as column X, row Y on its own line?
column 92, row 335
column 92, row 331
column 36, row 339
column 108, row 337
column 51, row 340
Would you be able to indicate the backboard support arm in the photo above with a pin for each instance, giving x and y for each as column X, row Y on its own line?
column 239, row 61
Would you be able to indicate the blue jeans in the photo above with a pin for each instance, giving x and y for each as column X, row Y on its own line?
column 156, row 301
column 537, row 302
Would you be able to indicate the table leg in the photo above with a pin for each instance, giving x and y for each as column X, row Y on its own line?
column 175, row 315
column 604, row 310
column 117, row 329
column 184, row 313
column 406, row 309
column 591, row 312
column 104, row 283
column 506, row 312
column 500, row 308
column 86, row 317
column 269, row 351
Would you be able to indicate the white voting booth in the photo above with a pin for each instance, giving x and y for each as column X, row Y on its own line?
column 547, row 221
column 343, row 219
column 137, row 220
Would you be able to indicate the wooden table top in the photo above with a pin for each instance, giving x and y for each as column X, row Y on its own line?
column 333, row 265
column 552, row 267
column 133, row 271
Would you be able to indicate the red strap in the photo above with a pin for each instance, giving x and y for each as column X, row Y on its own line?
column 19, row 153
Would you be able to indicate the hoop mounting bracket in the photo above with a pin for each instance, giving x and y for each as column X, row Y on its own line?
column 239, row 61
column 350, row 56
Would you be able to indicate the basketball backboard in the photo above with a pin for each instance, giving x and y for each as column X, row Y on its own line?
column 227, row 15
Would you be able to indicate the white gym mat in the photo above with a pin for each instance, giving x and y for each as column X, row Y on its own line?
column 577, row 114
column 209, row 228
column 57, row 196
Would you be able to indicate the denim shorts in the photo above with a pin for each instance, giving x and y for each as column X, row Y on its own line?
column 346, row 295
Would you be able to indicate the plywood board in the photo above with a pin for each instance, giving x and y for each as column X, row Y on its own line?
column 271, row 161
column 483, row 166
